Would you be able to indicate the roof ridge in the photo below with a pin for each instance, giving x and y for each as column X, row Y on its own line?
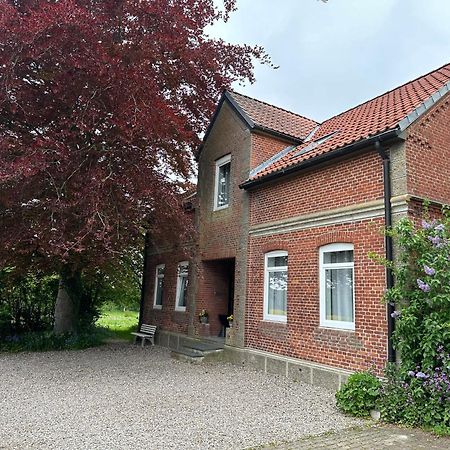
column 273, row 106
column 387, row 92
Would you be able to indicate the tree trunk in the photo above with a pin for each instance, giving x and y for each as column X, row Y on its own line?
column 67, row 302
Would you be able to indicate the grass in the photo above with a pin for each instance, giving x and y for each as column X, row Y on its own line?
column 111, row 324
column 119, row 323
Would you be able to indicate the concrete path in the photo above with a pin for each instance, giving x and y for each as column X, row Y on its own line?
column 379, row 437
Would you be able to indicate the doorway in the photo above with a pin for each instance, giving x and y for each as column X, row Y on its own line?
column 217, row 293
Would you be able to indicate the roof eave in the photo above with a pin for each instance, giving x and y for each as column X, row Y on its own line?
column 392, row 134
column 237, row 109
column 424, row 107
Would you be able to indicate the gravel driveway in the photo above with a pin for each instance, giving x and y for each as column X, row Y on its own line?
column 119, row 397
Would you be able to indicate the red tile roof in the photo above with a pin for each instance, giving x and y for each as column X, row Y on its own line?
column 274, row 118
column 371, row 118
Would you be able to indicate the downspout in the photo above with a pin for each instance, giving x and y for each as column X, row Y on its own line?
column 144, row 278
column 388, row 242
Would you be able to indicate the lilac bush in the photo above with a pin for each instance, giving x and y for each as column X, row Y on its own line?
column 417, row 392
column 422, row 291
column 420, row 397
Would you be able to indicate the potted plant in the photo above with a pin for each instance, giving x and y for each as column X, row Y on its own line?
column 230, row 319
column 203, row 316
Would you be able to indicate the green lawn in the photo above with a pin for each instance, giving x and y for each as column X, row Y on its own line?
column 120, row 323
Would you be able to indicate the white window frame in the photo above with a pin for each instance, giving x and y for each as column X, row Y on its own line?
column 157, row 276
column 338, row 324
column 267, row 270
column 219, row 163
column 178, row 291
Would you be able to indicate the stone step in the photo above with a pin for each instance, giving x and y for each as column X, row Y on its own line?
column 198, row 351
column 203, row 346
column 184, row 354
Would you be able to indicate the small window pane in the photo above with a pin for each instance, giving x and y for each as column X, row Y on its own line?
column 183, row 291
column 159, row 291
column 183, row 270
column 182, row 284
column 277, row 293
column 339, row 294
column 277, row 261
column 338, row 257
column 223, row 185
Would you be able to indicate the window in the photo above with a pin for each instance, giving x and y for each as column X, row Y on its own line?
column 275, row 286
column 222, row 184
column 159, row 286
column 337, row 306
column 182, row 284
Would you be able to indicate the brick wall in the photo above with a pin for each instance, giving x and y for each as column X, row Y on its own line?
column 223, row 234
column 428, row 154
column 167, row 318
column 301, row 336
column 220, row 230
column 350, row 181
column 342, row 183
column 264, row 147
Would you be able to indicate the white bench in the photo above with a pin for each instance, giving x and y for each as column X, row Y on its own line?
column 146, row 332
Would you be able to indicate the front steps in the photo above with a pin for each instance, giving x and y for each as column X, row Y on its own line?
column 199, row 351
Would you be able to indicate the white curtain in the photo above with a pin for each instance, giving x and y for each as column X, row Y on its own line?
column 277, row 295
column 183, row 290
column 339, row 294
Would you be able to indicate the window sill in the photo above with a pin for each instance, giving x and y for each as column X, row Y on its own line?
column 157, row 307
column 220, row 208
column 331, row 328
column 271, row 322
column 180, row 310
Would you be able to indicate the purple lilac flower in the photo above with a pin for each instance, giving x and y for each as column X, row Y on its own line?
column 411, row 373
column 396, row 314
column 440, row 227
column 429, row 270
column 435, row 240
column 426, row 225
column 423, row 286
column 421, row 375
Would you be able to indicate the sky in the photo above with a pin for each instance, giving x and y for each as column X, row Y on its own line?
column 335, row 55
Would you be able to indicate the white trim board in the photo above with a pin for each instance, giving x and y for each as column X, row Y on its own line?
column 354, row 213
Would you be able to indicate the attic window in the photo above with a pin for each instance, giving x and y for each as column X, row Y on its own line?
column 222, row 183
column 314, row 144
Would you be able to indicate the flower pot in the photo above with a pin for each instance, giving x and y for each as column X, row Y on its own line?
column 203, row 320
column 375, row 414
column 230, row 323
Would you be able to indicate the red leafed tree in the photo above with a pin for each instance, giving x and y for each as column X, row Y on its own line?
column 101, row 105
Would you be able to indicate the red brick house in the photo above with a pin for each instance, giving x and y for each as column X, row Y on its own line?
column 286, row 211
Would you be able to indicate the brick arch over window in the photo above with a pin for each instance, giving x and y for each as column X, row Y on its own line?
column 332, row 237
column 276, row 244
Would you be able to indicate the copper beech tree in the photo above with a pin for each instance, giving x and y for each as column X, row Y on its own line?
column 101, row 106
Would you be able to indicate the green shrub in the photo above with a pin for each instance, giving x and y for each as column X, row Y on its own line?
column 46, row 341
column 27, row 302
column 5, row 321
column 359, row 395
